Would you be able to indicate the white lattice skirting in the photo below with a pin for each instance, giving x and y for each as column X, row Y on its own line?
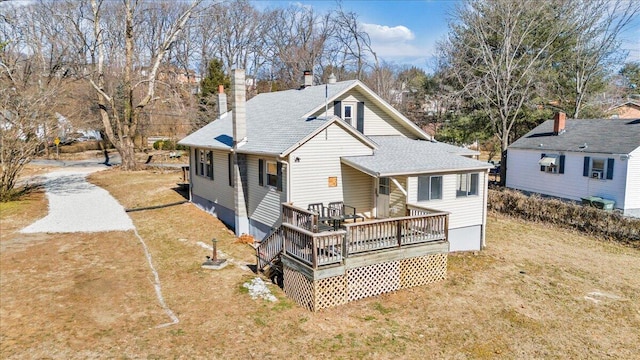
column 363, row 282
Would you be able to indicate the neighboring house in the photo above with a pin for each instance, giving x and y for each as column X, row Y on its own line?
column 578, row 158
column 333, row 142
column 626, row 110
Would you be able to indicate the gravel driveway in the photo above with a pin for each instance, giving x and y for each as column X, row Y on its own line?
column 75, row 205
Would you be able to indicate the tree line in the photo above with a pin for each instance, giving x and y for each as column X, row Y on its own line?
column 129, row 65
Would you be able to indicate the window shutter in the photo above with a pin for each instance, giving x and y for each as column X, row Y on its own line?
column 360, row 116
column 561, row 168
column 230, row 163
column 279, row 180
column 610, row 169
column 337, row 108
column 211, row 163
column 260, row 172
column 585, row 167
column 542, row 157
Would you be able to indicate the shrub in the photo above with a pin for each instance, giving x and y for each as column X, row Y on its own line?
column 166, row 144
column 80, row 147
column 589, row 220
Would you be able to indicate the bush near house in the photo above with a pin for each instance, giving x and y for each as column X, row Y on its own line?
column 168, row 145
column 589, row 220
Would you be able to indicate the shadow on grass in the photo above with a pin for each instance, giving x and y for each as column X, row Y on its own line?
column 16, row 194
column 183, row 190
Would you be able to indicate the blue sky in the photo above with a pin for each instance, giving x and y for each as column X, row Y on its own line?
column 401, row 31
column 406, row 31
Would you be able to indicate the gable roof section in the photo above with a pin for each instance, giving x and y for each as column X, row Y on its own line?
column 608, row 136
column 377, row 100
column 398, row 155
column 276, row 121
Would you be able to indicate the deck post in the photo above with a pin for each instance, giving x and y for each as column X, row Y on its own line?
column 345, row 244
column 314, row 252
column 446, row 227
column 399, row 232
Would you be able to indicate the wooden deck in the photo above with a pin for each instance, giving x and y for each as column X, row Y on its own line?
column 329, row 268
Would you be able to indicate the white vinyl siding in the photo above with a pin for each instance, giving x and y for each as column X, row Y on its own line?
column 264, row 202
column 318, row 160
column 376, row 121
column 358, row 190
column 397, row 200
column 218, row 190
column 465, row 211
column 523, row 173
column 632, row 192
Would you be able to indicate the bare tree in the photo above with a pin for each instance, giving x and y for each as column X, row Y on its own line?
column 354, row 40
column 599, row 25
column 493, row 52
column 121, row 127
column 30, row 81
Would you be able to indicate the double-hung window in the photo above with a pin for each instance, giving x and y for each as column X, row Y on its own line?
column 552, row 163
column 348, row 113
column 429, row 188
column 598, row 168
column 270, row 174
column 205, row 163
column 467, row 185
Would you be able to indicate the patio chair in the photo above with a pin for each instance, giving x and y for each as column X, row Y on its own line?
column 338, row 208
column 317, row 208
column 323, row 217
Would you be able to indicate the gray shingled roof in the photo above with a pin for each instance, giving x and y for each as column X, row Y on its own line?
column 274, row 120
column 398, row 155
column 608, row 136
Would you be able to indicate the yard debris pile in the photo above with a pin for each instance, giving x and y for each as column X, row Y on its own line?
column 258, row 289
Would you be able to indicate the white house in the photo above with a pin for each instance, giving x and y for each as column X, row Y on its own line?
column 578, row 158
column 325, row 143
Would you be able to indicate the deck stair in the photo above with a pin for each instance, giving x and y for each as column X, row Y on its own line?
column 269, row 250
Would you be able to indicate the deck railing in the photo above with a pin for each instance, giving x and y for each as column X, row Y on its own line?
column 269, row 248
column 387, row 233
column 299, row 217
column 314, row 249
column 302, row 240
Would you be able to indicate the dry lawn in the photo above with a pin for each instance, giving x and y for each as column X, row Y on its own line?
column 535, row 292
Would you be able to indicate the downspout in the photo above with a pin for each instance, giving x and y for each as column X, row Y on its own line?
column 484, row 210
column 288, row 178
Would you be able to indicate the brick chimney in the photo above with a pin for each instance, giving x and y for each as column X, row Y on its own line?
column 238, row 89
column 222, row 101
column 559, row 123
column 308, row 79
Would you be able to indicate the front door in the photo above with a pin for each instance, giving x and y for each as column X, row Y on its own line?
column 382, row 201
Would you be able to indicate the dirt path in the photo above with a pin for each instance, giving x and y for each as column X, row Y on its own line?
column 75, row 205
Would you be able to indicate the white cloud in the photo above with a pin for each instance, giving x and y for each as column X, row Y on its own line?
column 384, row 33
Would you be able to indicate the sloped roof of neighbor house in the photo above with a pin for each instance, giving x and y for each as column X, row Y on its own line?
column 608, row 136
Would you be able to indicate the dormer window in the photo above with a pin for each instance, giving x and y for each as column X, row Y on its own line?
column 348, row 113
